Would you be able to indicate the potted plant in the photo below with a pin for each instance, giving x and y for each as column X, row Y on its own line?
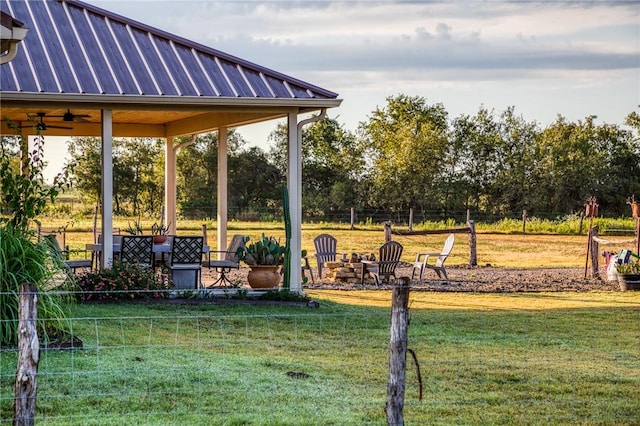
column 629, row 276
column 264, row 258
column 159, row 232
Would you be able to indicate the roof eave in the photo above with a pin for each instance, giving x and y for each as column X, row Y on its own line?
column 158, row 102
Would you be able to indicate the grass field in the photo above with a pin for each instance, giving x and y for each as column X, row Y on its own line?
column 506, row 249
column 566, row 358
column 520, row 358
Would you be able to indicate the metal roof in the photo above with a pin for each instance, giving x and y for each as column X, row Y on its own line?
column 81, row 55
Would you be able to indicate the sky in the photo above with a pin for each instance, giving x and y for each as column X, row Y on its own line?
column 548, row 58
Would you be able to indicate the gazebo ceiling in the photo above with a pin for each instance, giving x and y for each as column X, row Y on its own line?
column 80, row 57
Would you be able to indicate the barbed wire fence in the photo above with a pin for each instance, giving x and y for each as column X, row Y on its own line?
column 194, row 362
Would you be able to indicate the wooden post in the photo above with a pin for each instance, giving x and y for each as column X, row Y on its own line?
column 205, row 240
column 411, row 219
column 595, row 269
column 387, row 231
column 473, row 253
column 581, row 223
column 398, row 353
column 353, row 218
column 524, row 221
column 591, row 211
column 26, row 384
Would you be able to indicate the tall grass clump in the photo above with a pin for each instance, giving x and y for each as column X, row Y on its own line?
column 22, row 260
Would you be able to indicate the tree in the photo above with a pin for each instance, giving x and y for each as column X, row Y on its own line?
column 406, row 142
column 332, row 166
column 138, row 170
column 23, row 193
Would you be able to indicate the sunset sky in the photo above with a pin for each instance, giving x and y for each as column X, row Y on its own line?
column 547, row 58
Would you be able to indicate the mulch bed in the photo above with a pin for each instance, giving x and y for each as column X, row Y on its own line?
column 481, row 279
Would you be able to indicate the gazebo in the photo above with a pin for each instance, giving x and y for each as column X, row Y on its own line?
column 127, row 79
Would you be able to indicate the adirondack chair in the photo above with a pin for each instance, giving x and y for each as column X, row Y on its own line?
column 224, row 264
column 438, row 266
column 388, row 260
column 326, row 250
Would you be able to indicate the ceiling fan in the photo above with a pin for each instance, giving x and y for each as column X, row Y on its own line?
column 69, row 116
column 40, row 125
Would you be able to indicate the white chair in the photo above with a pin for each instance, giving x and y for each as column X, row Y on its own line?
column 438, row 266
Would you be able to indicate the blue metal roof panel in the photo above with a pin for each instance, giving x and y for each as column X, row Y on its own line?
column 172, row 61
column 258, row 84
column 195, row 72
column 75, row 47
column 133, row 61
column 278, row 87
column 96, row 64
column 113, row 58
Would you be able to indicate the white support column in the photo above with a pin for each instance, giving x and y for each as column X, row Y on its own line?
column 107, row 187
column 294, row 184
column 222, row 191
column 170, row 185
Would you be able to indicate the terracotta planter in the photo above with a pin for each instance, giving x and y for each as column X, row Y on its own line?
column 264, row 277
column 159, row 239
column 629, row 282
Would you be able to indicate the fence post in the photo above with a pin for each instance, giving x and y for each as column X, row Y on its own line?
column 353, row 218
column 411, row 219
column 524, row 221
column 595, row 248
column 473, row 254
column 26, row 384
column 398, row 353
column 387, row 231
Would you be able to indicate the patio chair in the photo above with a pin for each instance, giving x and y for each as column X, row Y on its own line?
column 326, row 250
column 185, row 261
column 388, row 260
column 59, row 253
column 224, row 264
column 117, row 243
column 438, row 266
column 137, row 249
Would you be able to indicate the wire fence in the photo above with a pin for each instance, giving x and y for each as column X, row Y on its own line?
column 232, row 362
column 66, row 207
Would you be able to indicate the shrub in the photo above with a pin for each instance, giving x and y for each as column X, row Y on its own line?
column 123, row 281
column 22, row 260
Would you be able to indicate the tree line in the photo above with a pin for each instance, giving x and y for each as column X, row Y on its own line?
column 407, row 154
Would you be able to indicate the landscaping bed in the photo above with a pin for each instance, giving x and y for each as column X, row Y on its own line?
column 485, row 279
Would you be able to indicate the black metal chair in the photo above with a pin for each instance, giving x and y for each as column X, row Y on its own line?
column 137, row 249
column 185, row 260
column 228, row 262
column 59, row 253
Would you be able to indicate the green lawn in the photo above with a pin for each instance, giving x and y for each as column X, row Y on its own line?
column 548, row 358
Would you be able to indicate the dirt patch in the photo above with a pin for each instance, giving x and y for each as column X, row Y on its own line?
column 485, row 279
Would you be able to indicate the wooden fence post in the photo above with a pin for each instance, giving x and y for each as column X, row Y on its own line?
column 26, row 384
column 398, row 353
column 473, row 253
column 353, row 218
column 524, row 221
column 411, row 219
column 387, row 231
column 595, row 247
